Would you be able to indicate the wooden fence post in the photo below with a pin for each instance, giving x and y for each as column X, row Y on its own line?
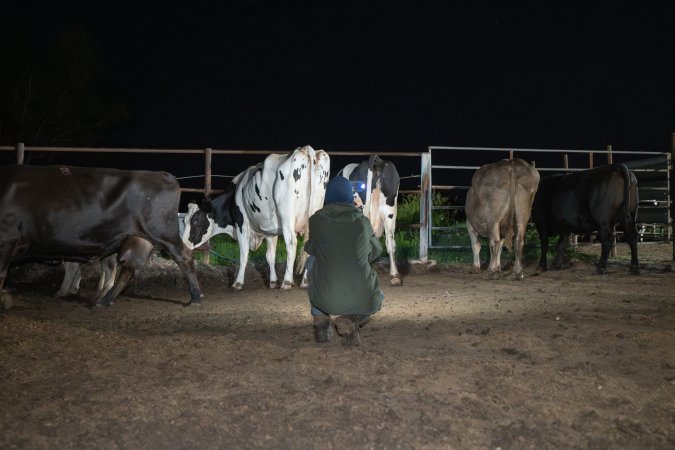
column 19, row 153
column 425, row 205
column 612, row 251
column 207, row 192
column 573, row 239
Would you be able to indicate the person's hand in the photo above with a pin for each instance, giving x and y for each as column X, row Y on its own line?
column 357, row 201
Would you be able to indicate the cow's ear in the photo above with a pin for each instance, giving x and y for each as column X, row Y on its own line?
column 207, row 207
column 192, row 208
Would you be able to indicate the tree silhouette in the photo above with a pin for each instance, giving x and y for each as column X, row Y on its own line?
column 52, row 94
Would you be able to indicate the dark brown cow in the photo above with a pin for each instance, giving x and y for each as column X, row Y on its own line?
column 78, row 214
column 498, row 207
column 587, row 201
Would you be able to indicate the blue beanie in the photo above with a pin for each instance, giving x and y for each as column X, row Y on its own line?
column 339, row 190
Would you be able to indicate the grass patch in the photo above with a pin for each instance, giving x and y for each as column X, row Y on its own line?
column 225, row 251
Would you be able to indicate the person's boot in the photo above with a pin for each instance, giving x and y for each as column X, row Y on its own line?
column 323, row 330
column 363, row 320
column 348, row 328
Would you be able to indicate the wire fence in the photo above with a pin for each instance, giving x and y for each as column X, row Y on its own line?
column 439, row 171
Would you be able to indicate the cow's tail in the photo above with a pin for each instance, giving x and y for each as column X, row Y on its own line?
column 511, row 220
column 625, row 207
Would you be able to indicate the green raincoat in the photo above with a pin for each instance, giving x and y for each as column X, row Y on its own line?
column 341, row 280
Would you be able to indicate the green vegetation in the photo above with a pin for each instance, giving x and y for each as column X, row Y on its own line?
column 225, row 251
column 407, row 239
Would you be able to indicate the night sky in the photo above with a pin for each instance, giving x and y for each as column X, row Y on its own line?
column 379, row 76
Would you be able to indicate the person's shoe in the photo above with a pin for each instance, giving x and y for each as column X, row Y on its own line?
column 323, row 329
column 348, row 328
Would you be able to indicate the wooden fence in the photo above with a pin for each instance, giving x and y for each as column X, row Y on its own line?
column 425, row 187
column 207, row 154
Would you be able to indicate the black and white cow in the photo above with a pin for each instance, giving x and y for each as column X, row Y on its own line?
column 584, row 202
column 78, row 214
column 380, row 200
column 272, row 198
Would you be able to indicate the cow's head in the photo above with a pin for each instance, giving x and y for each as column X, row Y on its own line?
column 199, row 224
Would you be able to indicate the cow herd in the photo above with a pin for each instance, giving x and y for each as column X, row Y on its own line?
column 75, row 215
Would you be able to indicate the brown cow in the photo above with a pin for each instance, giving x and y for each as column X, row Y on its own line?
column 498, row 207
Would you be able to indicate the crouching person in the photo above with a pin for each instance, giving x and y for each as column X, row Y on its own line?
column 342, row 283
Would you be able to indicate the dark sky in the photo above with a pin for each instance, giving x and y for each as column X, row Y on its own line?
column 381, row 75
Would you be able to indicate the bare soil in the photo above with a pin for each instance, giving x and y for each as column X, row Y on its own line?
column 563, row 359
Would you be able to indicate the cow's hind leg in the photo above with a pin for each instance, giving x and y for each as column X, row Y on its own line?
column 291, row 240
column 304, row 284
column 132, row 256
column 496, row 244
column 243, row 239
column 389, row 232
column 518, row 250
column 182, row 256
column 475, row 247
column 271, row 256
column 71, row 279
column 606, row 238
column 108, row 274
column 6, row 249
column 559, row 247
column 631, row 236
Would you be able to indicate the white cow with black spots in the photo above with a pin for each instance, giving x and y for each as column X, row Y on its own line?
column 379, row 196
column 275, row 197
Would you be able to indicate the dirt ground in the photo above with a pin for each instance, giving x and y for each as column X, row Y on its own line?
column 563, row 359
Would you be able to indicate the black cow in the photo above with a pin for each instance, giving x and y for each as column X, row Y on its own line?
column 380, row 199
column 584, row 202
column 77, row 214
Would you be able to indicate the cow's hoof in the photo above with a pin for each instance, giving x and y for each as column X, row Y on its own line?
column 601, row 270
column 237, row 286
column 197, row 304
column 495, row 275
column 634, row 270
column 274, row 285
column 396, row 281
column 518, row 276
column 286, row 286
column 475, row 269
column 304, row 284
column 6, row 300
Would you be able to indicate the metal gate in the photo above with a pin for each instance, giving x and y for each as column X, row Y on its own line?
column 441, row 172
